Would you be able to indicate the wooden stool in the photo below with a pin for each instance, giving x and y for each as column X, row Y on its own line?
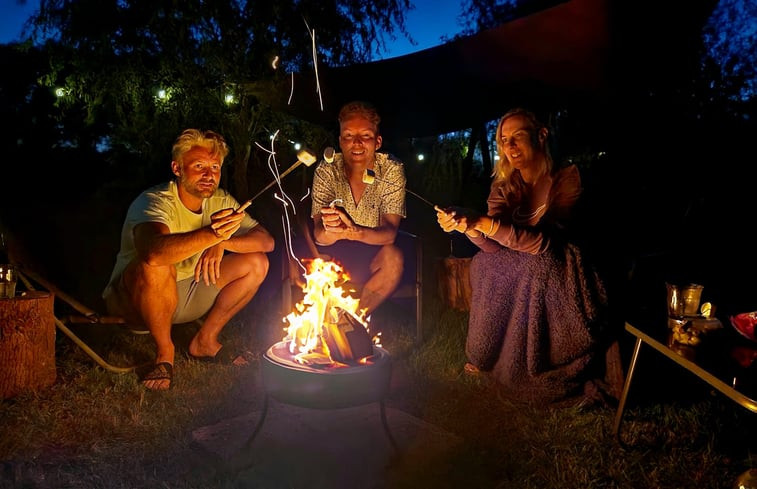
column 453, row 276
column 27, row 343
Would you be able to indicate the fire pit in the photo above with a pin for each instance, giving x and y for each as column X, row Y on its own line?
column 325, row 388
column 327, row 360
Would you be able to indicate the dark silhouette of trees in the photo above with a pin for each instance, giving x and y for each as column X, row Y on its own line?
column 138, row 72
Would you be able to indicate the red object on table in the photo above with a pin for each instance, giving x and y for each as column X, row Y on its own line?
column 744, row 323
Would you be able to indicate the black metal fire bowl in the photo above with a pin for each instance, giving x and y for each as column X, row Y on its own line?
column 325, row 388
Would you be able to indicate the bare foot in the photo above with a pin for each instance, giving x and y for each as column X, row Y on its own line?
column 471, row 369
column 199, row 350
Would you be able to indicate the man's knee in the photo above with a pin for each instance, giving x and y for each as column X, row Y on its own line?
column 257, row 265
column 391, row 260
column 140, row 275
column 140, row 286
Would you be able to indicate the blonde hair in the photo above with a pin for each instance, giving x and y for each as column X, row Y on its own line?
column 504, row 174
column 210, row 140
column 362, row 109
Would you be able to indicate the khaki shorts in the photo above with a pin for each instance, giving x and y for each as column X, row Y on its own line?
column 194, row 300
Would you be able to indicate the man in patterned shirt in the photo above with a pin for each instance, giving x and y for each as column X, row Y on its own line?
column 354, row 222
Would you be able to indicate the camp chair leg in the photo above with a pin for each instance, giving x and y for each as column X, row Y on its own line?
column 89, row 351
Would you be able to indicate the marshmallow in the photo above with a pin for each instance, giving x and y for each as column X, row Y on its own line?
column 306, row 156
column 328, row 155
column 369, row 176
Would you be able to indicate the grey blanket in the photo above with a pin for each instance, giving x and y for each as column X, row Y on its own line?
column 536, row 321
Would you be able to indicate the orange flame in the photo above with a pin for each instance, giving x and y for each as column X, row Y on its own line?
column 317, row 316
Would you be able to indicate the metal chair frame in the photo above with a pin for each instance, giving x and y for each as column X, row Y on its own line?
column 87, row 316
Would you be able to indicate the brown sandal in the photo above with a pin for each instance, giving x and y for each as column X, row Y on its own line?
column 161, row 371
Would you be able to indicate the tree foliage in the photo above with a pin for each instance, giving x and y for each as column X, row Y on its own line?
column 478, row 15
column 730, row 38
column 139, row 71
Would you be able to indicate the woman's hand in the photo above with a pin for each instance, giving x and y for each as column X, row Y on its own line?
column 456, row 219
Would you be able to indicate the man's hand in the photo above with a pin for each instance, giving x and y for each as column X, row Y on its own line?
column 336, row 220
column 208, row 267
column 226, row 222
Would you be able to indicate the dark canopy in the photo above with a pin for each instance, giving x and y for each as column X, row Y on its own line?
column 555, row 54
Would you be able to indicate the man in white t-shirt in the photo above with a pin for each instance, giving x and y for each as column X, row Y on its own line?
column 187, row 250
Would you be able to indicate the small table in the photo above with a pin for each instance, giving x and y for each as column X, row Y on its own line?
column 713, row 367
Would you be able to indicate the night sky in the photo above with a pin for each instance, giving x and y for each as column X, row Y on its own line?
column 427, row 23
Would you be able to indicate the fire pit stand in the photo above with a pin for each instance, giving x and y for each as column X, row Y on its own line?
column 329, row 388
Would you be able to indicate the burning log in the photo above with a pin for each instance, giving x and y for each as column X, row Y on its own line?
column 347, row 339
column 328, row 326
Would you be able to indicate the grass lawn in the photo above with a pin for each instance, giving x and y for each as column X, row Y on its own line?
column 93, row 428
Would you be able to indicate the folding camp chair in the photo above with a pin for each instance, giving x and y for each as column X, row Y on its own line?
column 85, row 316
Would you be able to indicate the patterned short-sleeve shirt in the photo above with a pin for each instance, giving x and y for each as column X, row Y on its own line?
column 386, row 195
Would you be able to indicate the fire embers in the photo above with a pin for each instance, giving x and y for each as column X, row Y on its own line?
column 328, row 326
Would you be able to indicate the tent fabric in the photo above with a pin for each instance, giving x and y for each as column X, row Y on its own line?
column 555, row 54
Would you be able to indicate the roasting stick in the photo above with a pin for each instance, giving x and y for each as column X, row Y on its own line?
column 369, row 176
column 328, row 157
column 244, row 206
column 303, row 156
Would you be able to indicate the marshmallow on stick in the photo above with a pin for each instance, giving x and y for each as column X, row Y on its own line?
column 328, row 154
column 305, row 156
column 369, row 176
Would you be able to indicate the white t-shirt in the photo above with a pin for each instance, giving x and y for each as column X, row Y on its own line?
column 162, row 204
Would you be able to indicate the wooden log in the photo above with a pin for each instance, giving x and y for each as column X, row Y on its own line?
column 614, row 373
column 454, row 282
column 27, row 343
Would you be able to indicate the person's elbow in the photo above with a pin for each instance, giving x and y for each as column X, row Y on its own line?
column 151, row 253
column 152, row 258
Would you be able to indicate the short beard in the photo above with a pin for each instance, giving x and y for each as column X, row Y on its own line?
column 194, row 191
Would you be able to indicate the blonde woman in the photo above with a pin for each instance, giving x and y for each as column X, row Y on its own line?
column 537, row 309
